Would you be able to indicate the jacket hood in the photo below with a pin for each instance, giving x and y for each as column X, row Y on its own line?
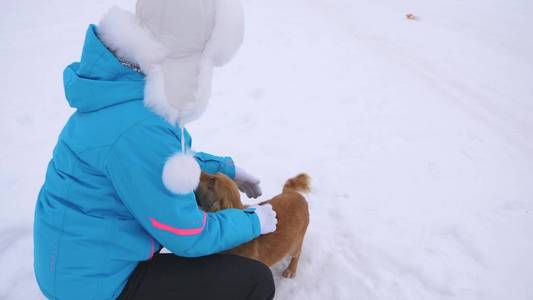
column 99, row 80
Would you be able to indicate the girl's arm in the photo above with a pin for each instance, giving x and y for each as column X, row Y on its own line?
column 135, row 164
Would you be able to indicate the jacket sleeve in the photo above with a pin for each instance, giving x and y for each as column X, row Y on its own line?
column 215, row 164
column 210, row 163
column 135, row 165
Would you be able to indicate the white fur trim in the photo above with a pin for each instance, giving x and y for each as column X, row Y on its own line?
column 181, row 174
column 155, row 97
column 121, row 32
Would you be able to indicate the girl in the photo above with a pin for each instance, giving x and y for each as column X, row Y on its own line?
column 120, row 185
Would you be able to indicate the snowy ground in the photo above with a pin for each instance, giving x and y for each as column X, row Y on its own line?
column 418, row 134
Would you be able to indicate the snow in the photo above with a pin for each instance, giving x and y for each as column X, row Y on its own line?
column 418, row 136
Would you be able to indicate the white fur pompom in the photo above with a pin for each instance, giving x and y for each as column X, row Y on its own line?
column 181, row 174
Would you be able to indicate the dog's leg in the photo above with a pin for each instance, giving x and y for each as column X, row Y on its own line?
column 290, row 272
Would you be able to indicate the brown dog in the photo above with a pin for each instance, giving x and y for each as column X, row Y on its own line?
column 216, row 192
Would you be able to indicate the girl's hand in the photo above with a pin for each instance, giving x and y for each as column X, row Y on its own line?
column 267, row 218
column 247, row 183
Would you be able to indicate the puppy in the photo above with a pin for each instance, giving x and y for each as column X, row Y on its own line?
column 216, row 192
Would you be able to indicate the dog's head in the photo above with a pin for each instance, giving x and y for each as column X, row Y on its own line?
column 216, row 192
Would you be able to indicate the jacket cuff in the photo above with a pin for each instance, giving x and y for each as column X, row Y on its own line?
column 230, row 169
column 254, row 219
column 214, row 164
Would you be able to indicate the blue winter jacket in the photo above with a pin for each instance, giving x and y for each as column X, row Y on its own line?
column 103, row 207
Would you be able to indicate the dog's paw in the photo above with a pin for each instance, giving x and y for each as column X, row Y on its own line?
column 288, row 273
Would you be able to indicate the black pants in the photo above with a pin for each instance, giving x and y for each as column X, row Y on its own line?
column 218, row 277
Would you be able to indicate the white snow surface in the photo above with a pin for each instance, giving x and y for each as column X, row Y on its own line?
column 418, row 136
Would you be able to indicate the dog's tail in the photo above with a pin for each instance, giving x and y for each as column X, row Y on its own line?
column 301, row 183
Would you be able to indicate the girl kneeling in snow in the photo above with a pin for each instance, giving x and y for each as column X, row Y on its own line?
column 121, row 181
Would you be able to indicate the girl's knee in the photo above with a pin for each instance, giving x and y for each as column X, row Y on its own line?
column 264, row 281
